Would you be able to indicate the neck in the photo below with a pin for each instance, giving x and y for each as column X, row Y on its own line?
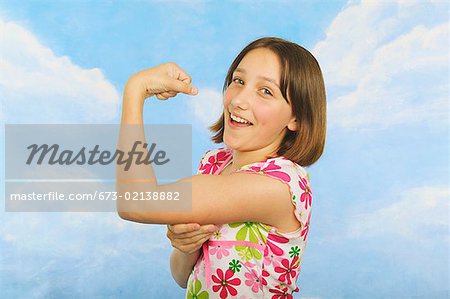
column 243, row 158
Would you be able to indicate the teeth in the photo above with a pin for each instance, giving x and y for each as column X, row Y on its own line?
column 238, row 119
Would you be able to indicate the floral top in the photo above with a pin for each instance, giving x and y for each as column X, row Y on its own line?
column 249, row 259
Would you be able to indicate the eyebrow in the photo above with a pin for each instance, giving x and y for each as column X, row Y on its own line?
column 261, row 77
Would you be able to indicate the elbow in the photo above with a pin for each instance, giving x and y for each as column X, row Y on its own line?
column 181, row 282
column 183, row 286
column 125, row 215
column 146, row 218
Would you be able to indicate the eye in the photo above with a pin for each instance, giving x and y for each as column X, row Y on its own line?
column 238, row 81
column 267, row 91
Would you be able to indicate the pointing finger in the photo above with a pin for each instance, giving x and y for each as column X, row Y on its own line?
column 184, row 228
column 180, row 86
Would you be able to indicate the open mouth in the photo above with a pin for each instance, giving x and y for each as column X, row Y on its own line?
column 238, row 122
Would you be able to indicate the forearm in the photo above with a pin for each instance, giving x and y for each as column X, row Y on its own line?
column 181, row 265
column 163, row 82
column 133, row 100
column 132, row 136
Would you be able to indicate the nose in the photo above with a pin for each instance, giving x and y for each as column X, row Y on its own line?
column 241, row 98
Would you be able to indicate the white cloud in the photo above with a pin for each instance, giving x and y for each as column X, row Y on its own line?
column 387, row 63
column 206, row 107
column 38, row 86
column 72, row 234
column 9, row 237
column 416, row 212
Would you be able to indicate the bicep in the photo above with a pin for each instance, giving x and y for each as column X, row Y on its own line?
column 215, row 199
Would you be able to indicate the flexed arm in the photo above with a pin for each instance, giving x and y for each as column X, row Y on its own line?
column 238, row 197
column 163, row 81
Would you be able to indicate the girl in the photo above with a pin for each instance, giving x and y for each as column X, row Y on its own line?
column 254, row 188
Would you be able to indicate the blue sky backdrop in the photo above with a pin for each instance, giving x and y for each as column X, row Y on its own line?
column 380, row 222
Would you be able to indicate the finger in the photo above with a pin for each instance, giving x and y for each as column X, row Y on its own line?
column 184, row 228
column 160, row 97
column 191, row 247
column 168, row 94
column 198, row 244
column 193, row 243
column 180, row 86
column 204, row 229
column 201, row 241
column 184, row 77
column 165, row 95
column 191, row 239
column 184, row 237
column 180, row 74
column 190, row 235
column 187, row 80
column 209, row 228
column 169, row 233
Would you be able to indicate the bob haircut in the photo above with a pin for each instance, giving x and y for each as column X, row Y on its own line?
column 303, row 86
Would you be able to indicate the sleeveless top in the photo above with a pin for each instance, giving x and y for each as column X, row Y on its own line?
column 249, row 259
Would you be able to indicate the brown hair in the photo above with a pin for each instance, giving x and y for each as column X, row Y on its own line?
column 303, row 86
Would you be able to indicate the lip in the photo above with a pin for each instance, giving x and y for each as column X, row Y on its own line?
column 235, row 114
column 235, row 126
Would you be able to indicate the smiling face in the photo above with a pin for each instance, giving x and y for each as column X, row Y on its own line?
column 253, row 99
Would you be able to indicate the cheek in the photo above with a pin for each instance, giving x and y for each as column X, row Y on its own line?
column 227, row 98
column 264, row 115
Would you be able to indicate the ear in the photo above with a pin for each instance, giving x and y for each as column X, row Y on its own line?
column 292, row 125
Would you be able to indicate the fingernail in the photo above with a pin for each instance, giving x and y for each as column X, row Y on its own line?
column 194, row 90
column 212, row 229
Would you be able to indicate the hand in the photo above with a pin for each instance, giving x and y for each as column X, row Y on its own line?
column 189, row 238
column 164, row 81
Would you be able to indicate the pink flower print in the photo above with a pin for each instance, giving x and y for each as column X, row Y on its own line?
column 264, row 274
column 253, row 280
column 273, row 259
column 214, row 162
column 272, row 170
column 306, row 196
column 220, row 250
column 249, row 265
column 306, row 228
column 287, row 270
column 225, row 284
column 271, row 239
column 220, row 233
column 281, row 293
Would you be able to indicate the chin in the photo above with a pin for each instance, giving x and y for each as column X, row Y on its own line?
column 232, row 145
column 226, row 142
column 236, row 146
